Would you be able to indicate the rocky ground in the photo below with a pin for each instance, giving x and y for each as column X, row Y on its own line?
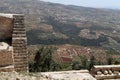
column 19, row 76
column 61, row 75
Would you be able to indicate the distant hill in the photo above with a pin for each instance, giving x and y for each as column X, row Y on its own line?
column 49, row 23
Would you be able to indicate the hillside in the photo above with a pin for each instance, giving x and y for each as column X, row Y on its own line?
column 49, row 23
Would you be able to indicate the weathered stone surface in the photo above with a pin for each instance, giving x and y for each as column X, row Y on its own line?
column 6, row 26
column 99, row 73
column 12, row 27
column 19, row 43
column 68, row 75
column 7, row 68
column 6, row 58
column 109, row 72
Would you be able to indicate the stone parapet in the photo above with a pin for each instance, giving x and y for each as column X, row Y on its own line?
column 102, row 72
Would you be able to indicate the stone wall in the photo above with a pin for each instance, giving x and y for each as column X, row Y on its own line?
column 104, row 72
column 12, row 28
column 6, row 27
column 19, row 43
column 6, row 58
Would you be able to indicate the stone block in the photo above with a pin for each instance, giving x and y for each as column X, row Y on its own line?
column 6, row 58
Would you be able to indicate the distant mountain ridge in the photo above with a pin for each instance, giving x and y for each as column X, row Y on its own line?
column 70, row 11
column 50, row 23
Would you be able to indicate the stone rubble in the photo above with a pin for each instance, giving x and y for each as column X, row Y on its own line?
column 4, row 46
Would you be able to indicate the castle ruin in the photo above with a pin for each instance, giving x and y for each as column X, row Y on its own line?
column 13, row 43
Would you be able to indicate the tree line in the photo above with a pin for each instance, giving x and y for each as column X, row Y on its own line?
column 44, row 61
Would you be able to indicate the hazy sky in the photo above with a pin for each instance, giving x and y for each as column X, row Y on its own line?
column 91, row 3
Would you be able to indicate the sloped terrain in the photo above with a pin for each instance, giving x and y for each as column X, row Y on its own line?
column 49, row 23
column 56, row 24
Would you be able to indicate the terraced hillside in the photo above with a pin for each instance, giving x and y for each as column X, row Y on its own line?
column 49, row 23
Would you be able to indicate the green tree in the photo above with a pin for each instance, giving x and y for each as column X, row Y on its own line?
column 92, row 62
column 76, row 65
column 110, row 60
column 31, row 66
column 37, row 60
column 84, row 62
column 116, row 62
column 44, row 61
column 47, row 60
column 55, row 66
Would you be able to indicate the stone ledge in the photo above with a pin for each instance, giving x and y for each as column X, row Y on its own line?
column 7, row 68
column 67, row 75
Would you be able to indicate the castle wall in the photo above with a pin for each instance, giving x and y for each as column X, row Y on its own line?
column 13, row 33
column 6, row 27
column 19, row 43
column 6, row 58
